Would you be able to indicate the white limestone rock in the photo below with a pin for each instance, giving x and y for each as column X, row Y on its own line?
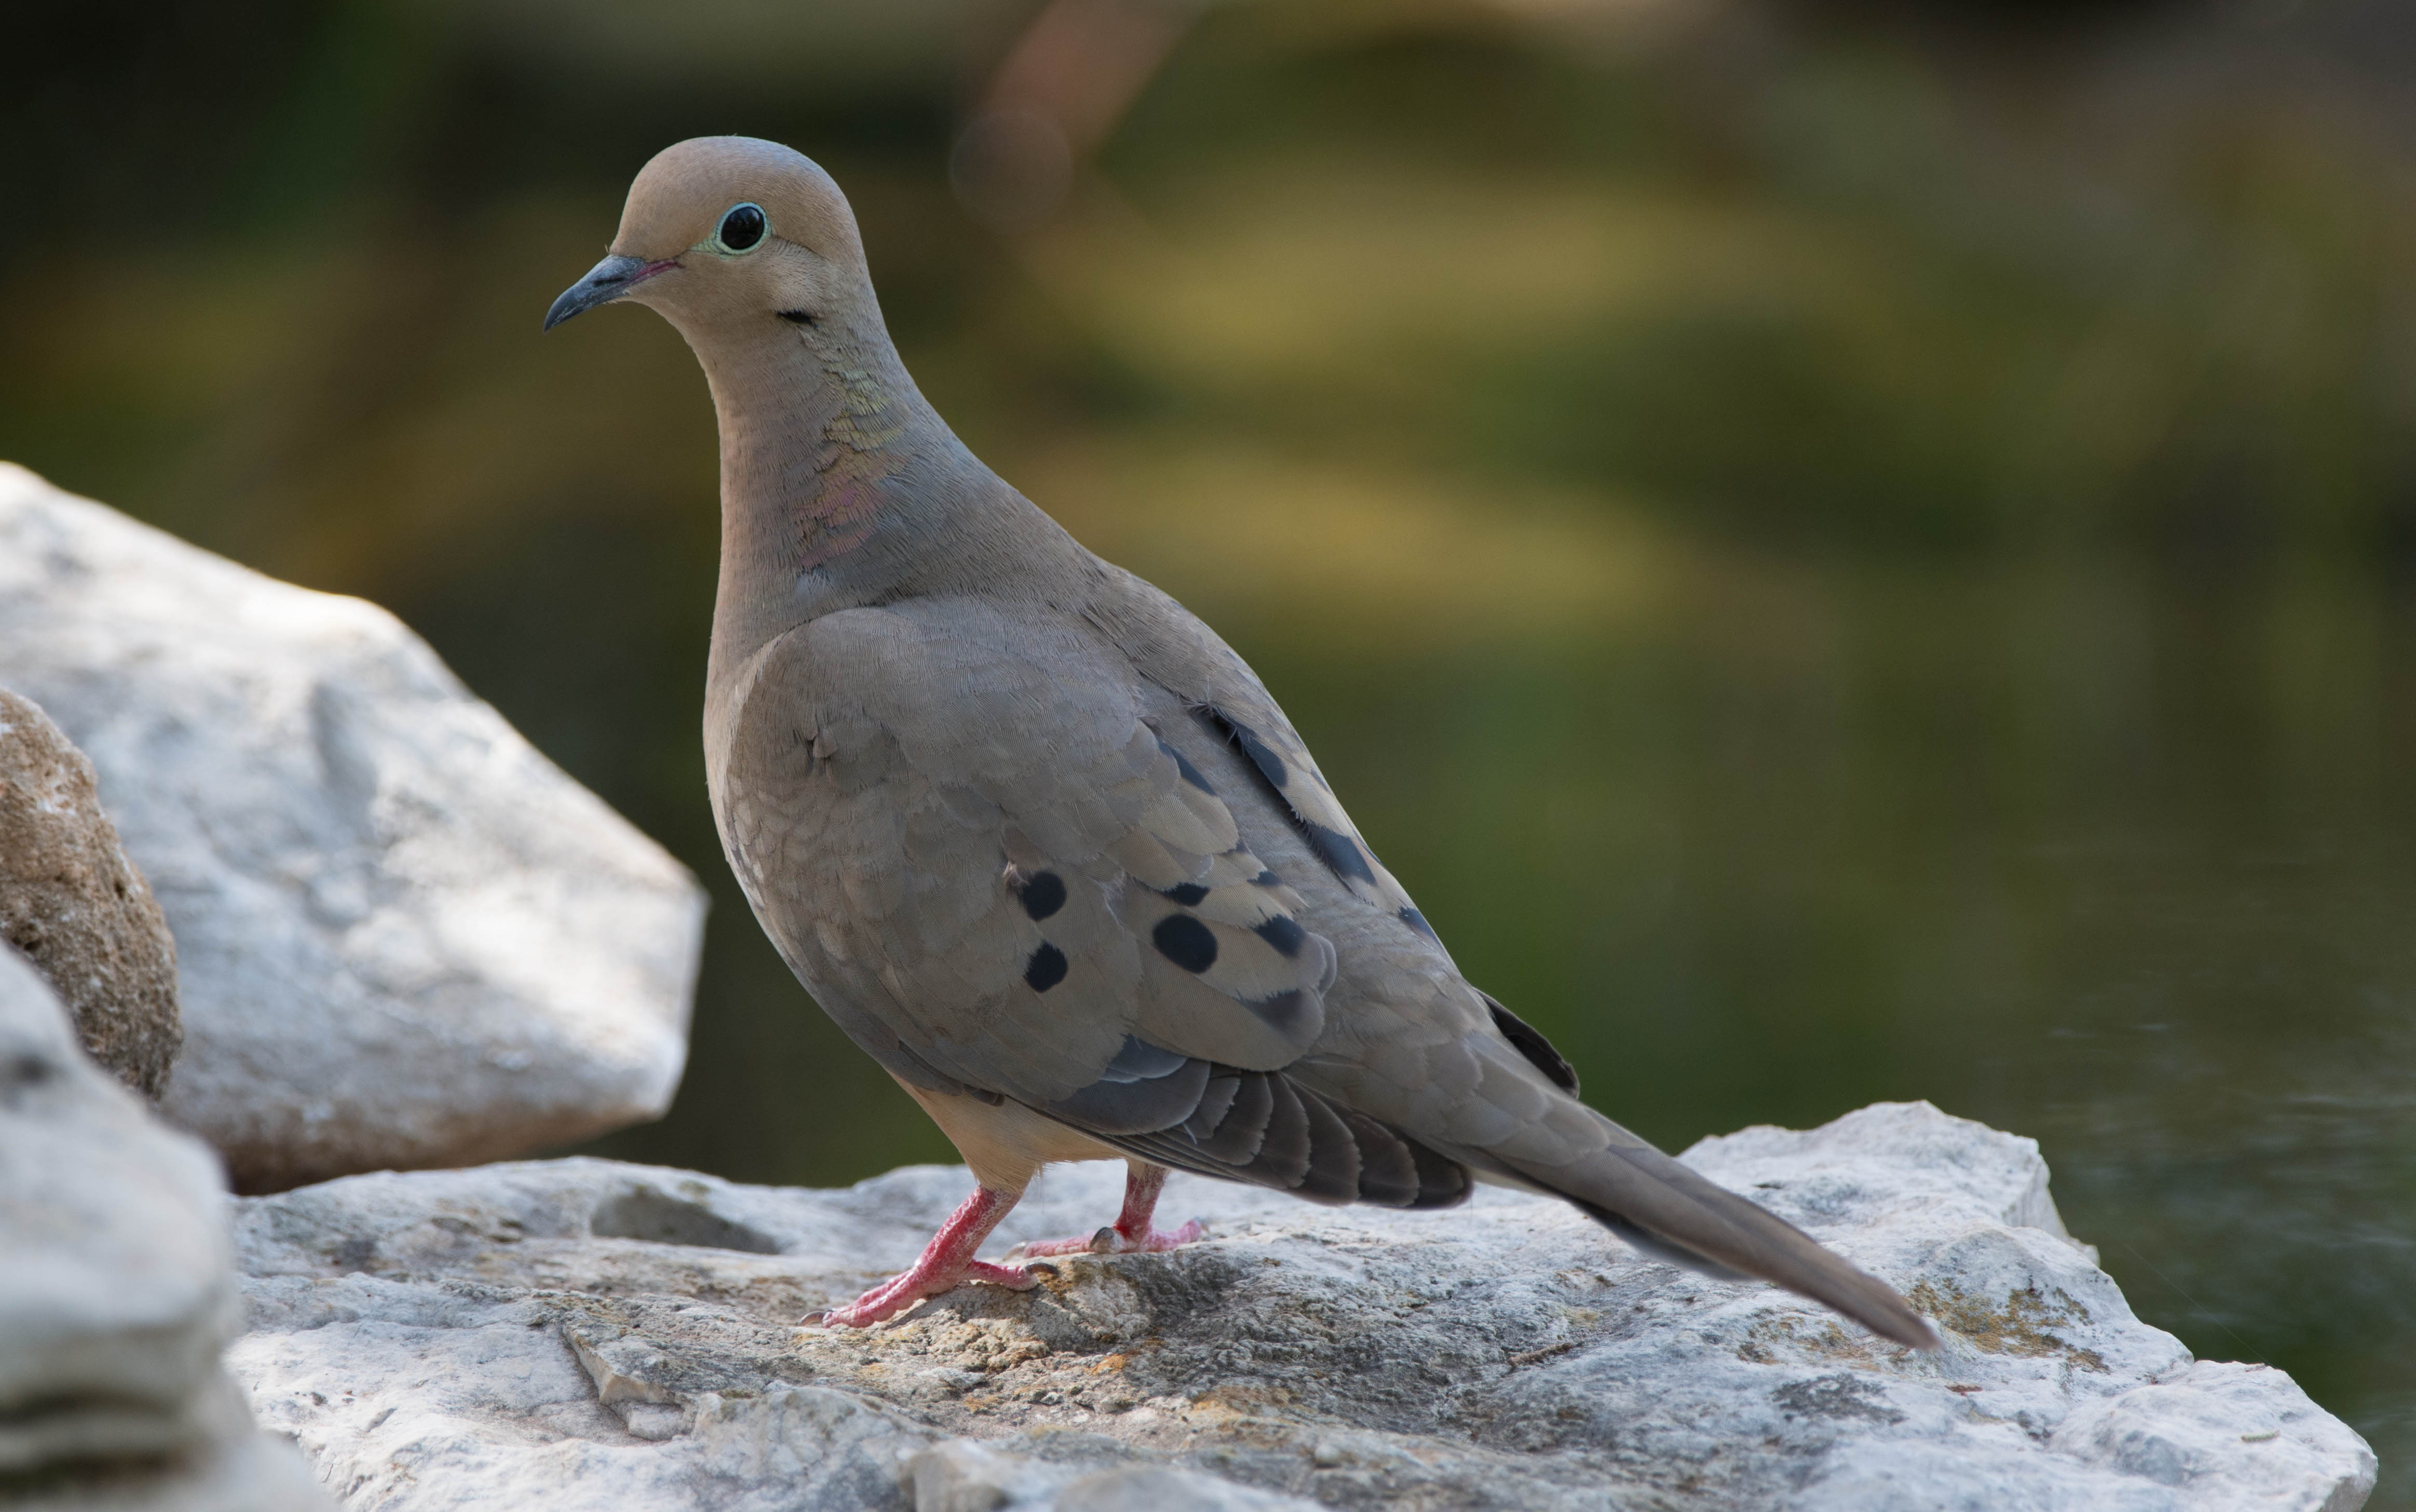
column 404, row 938
column 115, row 1294
column 622, row 1337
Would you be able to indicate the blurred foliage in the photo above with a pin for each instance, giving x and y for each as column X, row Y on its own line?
column 1843, row 550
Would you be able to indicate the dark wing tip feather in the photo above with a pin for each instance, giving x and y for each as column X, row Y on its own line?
column 1528, row 1041
column 1256, row 1127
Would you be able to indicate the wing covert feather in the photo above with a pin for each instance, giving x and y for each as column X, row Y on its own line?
column 972, row 846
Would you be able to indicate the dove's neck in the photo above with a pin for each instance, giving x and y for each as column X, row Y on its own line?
column 840, row 486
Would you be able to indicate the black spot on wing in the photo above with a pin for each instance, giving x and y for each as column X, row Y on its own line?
column 1044, row 894
column 1283, row 933
column 1348, row 858
column 1185, row 941
column 1183, row 764
column 1539, row 1050
column 1266, row 878
column 1045, row 968
column 1270, row 765
column 1340, row 851
column 1417, row 921
column 1190, row 894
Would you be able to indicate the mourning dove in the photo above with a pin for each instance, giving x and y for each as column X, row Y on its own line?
column 1041, row 842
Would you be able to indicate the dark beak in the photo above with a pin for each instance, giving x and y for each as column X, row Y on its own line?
column 605, row 281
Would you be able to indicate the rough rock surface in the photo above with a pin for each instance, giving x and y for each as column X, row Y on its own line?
column 620, row 1338
column 404, row 938
column 78, row 907
column 115, row 1295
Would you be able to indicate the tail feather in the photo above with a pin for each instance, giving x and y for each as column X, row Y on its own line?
column 1673, row 1213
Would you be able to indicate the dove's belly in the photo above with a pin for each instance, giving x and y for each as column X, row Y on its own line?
column 1005, row 1142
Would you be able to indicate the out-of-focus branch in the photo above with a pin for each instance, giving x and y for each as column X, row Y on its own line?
column 1053, row 101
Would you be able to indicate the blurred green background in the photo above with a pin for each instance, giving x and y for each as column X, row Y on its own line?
column 1843, row 552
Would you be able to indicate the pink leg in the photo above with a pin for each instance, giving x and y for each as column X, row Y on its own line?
column 1131, row 1233
column 946, row 1262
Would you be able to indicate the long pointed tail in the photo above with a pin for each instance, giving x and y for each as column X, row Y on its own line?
column 1674, row 1213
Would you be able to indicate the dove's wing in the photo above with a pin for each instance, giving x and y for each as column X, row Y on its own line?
column 983, row 846
column 1409, row 1043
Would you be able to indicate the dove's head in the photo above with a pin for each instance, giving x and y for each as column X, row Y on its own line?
column 724, row 233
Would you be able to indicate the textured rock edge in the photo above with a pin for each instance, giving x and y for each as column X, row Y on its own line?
column 649, row 1307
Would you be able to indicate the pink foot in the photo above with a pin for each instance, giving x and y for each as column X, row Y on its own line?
column 1110, row 1240
column 1132, row 1233
column 901, row 1291
column 947, row 1262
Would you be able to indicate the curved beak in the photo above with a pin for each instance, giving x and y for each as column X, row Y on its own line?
column 605, row 281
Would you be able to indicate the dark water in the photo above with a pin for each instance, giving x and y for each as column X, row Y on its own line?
column 1836, row 563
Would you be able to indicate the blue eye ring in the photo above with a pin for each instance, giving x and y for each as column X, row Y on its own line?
column 742, row 228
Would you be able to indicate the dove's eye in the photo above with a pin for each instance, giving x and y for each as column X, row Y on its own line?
column 741, row 229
